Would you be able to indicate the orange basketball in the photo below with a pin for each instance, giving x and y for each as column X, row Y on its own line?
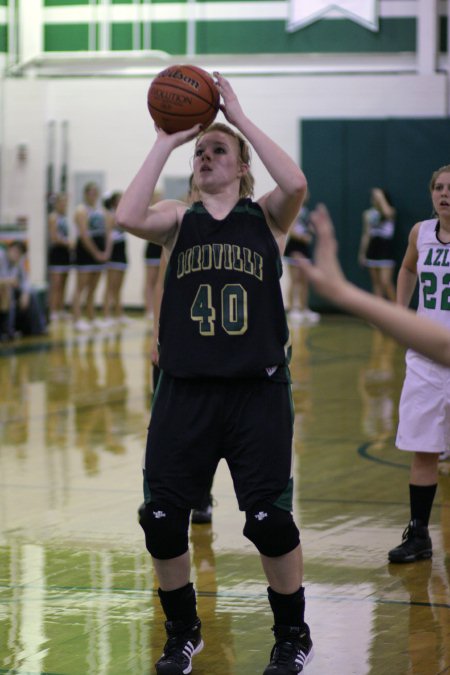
column 181, row 96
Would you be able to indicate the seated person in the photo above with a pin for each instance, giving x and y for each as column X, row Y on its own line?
column 20, row 310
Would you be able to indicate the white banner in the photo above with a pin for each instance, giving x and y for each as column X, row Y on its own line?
column 305, row 12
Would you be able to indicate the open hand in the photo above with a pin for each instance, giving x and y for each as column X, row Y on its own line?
column 230, row 105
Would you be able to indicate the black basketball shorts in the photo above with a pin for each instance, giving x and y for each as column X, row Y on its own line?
column 195, row 423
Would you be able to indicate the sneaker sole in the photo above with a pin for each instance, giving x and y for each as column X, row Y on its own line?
column 414, row 557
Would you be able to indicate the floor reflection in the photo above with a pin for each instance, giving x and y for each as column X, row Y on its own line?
column 77, row 590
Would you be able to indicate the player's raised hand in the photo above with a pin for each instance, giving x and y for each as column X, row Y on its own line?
column 230, row 105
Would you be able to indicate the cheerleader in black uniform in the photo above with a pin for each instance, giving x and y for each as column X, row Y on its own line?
column 376, row 250
column 299, row 245
column 224, row 387
column 59, row 256
column 93, row 249
column 116, row 266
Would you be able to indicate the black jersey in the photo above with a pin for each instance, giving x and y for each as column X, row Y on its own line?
column 222, row 312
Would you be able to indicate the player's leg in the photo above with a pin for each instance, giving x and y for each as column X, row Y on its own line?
column 416, row 541
column 178, row 468
column 261, row 468
column 387, row 283
column 424, row 430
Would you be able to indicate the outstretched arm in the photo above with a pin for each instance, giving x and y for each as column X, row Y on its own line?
column 417, row 332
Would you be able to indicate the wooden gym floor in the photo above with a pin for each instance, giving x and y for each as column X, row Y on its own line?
column 77, row 590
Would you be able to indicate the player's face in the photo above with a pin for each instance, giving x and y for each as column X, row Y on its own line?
column 216, row 161
column 440, row 195
column 14, row 254
column 61, row 204
column 91, row 195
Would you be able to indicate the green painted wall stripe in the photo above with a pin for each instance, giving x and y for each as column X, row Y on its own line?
column 164, row 36
column 167, row 35
column 64, row 3
column 121, row 36
column 324, row 37
column 3, row 39
column 66, row 38
column 248, row 37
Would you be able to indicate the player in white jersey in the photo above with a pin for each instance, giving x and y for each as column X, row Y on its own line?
column 424, row 414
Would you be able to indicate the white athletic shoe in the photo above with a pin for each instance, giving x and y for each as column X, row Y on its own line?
column 311, row 317
column 82, row 325
column 296, row 315
column 104, row 323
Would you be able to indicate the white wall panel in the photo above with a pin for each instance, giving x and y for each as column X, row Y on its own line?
column 111, row 131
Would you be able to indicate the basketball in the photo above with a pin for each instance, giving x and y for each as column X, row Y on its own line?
column 181, row 96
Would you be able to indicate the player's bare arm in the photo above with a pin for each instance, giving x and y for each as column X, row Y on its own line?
column 135, row 214
column 282, row 204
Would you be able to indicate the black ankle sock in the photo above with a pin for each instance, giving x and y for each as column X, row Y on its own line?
column 421, row 499
column 288, row 610
column 180, row 604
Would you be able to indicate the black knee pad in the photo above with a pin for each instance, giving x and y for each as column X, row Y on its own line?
column 166, row 530
column 271, row 529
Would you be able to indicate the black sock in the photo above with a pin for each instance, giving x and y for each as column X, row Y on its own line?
column 180, row 604
column 421, row 498
column 288, row 610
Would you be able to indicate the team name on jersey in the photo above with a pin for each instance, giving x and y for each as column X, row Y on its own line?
column 438, row 257
column 218, row 257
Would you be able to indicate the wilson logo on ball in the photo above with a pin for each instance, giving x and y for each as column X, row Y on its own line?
column 180, row 75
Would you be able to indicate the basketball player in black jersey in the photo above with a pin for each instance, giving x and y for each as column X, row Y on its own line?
column 224, row 391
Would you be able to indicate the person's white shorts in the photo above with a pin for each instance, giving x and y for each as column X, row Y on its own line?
column 424, row 412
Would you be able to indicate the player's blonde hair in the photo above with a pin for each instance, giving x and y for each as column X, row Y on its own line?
column 247, row 183
column 436, row 174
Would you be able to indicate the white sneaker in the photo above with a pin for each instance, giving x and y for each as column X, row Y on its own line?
column 310, row 317
column 296, row 315
column 104, row 323
column 82, row 325
column 124, row 320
